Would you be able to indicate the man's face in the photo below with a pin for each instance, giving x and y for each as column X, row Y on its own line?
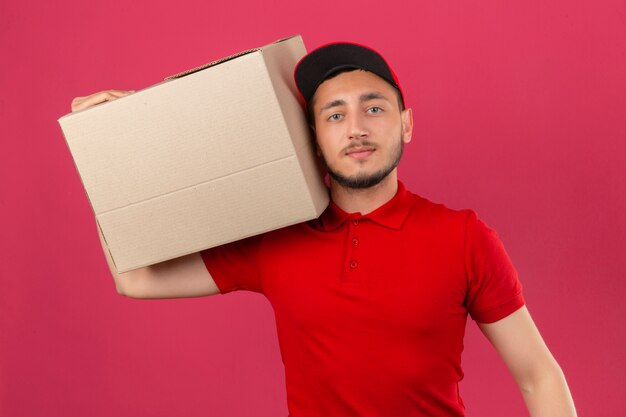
column 359, row 127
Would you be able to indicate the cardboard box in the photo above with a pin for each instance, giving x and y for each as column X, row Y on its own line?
column 209, row 156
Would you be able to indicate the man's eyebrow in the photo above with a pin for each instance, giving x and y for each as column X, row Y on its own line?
column 372, row 96
column 331, row 104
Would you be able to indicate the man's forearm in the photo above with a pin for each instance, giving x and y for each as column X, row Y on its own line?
column 537, row 373
column 549, row 396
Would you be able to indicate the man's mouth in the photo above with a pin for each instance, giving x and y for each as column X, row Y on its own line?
column 359, row 152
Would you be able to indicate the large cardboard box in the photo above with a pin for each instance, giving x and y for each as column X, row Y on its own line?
column 209, row 156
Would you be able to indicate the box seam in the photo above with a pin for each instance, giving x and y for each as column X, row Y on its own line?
column 194, row 185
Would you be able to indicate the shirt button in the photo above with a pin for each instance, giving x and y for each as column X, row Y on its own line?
column 355, row 241
column 353, row 264
column 355, row 222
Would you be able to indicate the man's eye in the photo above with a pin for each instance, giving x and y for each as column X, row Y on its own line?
column 375, row 110
column 334, row 116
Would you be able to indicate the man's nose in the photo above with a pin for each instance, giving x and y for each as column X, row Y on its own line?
column 356, row 128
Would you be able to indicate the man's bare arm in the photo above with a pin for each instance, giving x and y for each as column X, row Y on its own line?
column 182, row 277
column 186, row 276
column 535, row 370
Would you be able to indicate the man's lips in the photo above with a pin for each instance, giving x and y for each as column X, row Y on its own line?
column 359, row 152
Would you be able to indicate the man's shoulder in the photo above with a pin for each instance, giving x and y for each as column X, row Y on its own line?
column 428, row 210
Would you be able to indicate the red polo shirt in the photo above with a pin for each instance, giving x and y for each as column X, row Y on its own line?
column 371, row 310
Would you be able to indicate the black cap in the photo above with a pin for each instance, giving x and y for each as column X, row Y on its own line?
column 321, row 63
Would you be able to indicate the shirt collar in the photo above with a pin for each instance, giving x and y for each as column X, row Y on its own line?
column 392, row 214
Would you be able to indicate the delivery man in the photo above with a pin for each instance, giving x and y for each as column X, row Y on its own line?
column 371, row 299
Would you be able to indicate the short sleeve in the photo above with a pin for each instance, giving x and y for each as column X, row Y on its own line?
column 494, row 289
column 234, row 266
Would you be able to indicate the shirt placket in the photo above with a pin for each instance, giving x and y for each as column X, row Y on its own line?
column 352, row 270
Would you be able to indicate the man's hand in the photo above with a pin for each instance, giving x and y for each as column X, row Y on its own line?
column 81, row 103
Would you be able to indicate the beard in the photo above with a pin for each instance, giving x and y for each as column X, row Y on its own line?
column 364, row 180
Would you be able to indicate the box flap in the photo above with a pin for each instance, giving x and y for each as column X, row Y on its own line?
column 221, row 60
column 210, row 64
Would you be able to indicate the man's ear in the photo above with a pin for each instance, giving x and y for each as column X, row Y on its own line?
column 407, row 125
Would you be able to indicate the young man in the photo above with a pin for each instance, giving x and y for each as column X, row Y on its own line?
column 371, row 299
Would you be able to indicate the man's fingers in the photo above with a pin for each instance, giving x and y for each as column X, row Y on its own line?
column 81, row 103
column 121, row 93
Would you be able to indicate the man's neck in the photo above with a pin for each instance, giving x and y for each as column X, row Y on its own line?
column 364, row 200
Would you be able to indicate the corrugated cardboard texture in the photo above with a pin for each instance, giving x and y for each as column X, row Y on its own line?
column 214, row 156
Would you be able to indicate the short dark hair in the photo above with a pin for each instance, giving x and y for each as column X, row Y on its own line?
column 309, row 104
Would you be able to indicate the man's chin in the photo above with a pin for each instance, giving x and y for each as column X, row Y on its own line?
column 359, row 182
column 363, row 180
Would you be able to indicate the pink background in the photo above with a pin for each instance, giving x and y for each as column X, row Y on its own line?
column 520, row 114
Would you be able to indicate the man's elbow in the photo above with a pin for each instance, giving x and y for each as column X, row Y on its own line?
column 126, row 285
column 550, row 374
column 122, row 289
